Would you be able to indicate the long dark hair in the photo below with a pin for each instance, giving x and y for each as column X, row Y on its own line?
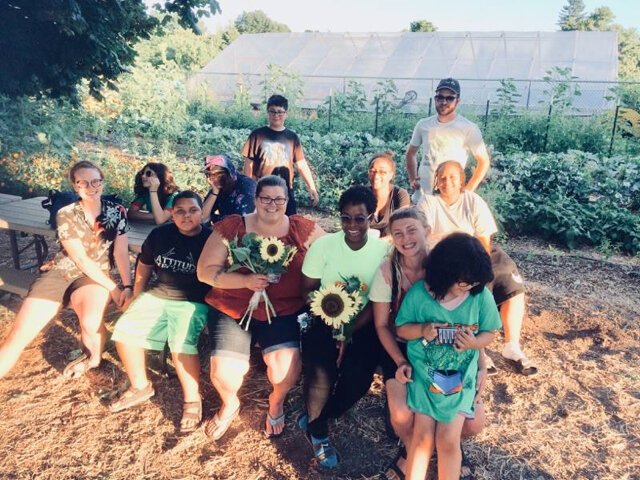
column 458, row 257
column 167, row 183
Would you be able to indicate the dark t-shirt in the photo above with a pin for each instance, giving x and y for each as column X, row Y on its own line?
column 273, row 152
column 174, row 258
column 239, row 201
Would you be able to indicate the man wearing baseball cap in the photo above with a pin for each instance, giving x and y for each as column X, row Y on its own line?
column 445, row 136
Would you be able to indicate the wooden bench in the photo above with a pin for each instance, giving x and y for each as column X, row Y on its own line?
column 16, row 281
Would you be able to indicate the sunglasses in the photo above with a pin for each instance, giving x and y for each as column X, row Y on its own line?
column 358, row 219
column 269, row 200
column 95, row 183
column 148, row 173
column 445, row 98
column 466, row 285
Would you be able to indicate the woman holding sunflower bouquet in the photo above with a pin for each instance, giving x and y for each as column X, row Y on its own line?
column 232, row 292
column 340, row 348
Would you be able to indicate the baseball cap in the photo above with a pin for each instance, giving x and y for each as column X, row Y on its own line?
column 449, row 83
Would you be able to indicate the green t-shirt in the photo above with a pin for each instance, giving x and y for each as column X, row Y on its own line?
column 331, row 260
column 144, row 201
column 430, row 358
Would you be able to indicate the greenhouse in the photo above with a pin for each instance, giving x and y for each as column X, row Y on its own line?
column 327, row 62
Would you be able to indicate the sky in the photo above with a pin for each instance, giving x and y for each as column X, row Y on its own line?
column 396, row 15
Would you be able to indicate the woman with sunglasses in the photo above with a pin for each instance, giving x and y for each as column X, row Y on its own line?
column 337, row 374
column 389, row 197
column 155, row 190
column 231, row 192
column 453, row 208
column 279, row 340
column 93, row 238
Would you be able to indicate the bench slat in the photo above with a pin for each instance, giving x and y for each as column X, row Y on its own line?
column 16, row 281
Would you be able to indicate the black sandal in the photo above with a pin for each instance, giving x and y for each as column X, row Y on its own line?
column 466, row 463
column 393, row 472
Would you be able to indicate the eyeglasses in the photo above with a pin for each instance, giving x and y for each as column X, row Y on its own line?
column 467, row 285
column 95, row 183
column 358, row 219
column 276, row 112
column 269, row 200
column 445, row 98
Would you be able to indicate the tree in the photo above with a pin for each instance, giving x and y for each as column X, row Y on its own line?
column 258, row 22
column 572, row 16
column 601, row 19
column 51, row 46
column 422, row 26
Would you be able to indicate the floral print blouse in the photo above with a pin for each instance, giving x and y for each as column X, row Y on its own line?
column 97, row 239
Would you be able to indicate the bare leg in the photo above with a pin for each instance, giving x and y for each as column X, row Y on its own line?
column 188, row 371
column 473, row 426
column 283, row 371
column 89, row 303
column 33, row 316
column 422, row 444
column 512, row 316
column 401, row 416
column 134, row 361
column 448, row 446
column 227, row 375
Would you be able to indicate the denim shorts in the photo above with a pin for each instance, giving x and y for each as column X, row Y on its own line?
column 228, row 338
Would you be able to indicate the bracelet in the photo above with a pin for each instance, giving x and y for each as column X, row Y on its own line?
column 212, row 194
column 153, row 191
column 124, row 287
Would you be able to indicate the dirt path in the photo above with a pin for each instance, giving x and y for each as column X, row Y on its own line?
column 579, row 418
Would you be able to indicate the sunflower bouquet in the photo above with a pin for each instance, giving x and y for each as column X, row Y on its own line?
column 338, row 304
column 263, row 255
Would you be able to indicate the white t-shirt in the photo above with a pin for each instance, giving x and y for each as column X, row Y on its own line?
column 440, row 142
column 470, row 214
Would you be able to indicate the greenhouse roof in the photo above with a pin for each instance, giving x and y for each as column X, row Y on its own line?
column 326, row 61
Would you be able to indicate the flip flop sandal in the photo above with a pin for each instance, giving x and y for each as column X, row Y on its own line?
column 77, row 367
column 191, row 416
column 393, row 472
column 216, row 427
column 524, row 366
column 491, row 367
column 279, row 420
column 466, row 464
column 132, row 397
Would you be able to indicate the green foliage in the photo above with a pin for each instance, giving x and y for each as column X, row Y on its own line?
column 280, row 81
column 258, row 22
column 574, row 198
column 572, row 15
column 422, row 26
column 507, row 97
column 561, row 87
column 385, row 96
column 188, row 11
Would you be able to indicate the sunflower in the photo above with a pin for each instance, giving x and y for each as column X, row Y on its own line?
column 292, row 253
column 271, row 249
column 335, row 306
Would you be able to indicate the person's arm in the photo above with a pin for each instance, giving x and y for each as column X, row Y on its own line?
column 486, row 242
column 211, row 268
column 413, row 331
column 121, row 259
column 305, row 173
column 482, row 167
column 209, row 202
column 381, row 316
column 142, row 277
column 160, row 215
column 134, row 213
column 411, row 158
column 248, row 168
column 466, row 340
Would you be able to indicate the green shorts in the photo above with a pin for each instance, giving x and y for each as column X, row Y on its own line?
column 150, row 322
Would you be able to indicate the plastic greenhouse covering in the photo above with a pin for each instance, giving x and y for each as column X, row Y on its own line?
column 326, row 62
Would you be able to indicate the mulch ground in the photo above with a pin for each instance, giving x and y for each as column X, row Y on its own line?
column 578, row 418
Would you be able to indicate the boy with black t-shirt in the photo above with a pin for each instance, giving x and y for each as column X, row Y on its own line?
column 172, row 311
column 274, row 150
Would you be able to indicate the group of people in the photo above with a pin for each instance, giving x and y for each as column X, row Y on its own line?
column 434, row 289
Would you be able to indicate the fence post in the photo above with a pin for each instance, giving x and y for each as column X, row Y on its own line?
column 430, row 102
column 375, row 129
column 528, row 94
column 613, row 130
column 330, row 105
column 486, row 115
column 546, row 131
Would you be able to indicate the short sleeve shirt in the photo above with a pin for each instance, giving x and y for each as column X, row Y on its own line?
column 470, row 214
column 144, row 201
column 273, row 152
column 174, row 258
column 477, row 312
column 453, row 140
column 331, row 260
column 97, row 239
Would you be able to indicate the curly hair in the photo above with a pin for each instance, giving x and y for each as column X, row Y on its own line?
column 167, row 183
column 358, row 195
column 458, row 257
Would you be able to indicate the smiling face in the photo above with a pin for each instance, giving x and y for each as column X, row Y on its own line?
column 449, row 182
column 409, row 236
column 187, row 215
column 381, row 173
column 88, row 183
column 354, row 219
column 271, row 203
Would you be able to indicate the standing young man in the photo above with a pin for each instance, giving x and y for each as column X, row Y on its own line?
column 445, row 136
column 274, row 150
